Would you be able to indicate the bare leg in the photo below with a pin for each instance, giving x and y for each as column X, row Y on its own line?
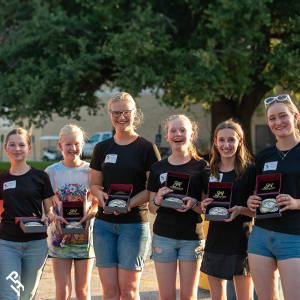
column 218, row 288
column 129, row 282
column 62, row 275
column 110, row 283
column 243, row 287
column 83, row 270
column 166, row 277
column 265, row 276
column 289, row 270
column 189, row 272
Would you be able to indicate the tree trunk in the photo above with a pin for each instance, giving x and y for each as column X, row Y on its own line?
column 239, row 112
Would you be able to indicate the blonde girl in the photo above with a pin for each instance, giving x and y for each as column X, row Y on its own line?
column 122, row 240
column 178, row 233
column 25, row 191
column 71, row 179
column 274, row 243
column 225, row 256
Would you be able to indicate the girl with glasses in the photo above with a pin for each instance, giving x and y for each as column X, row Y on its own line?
column 274, row 243
column 25, row 192
column 178, row 233
column 121, row 241
column 225, row 256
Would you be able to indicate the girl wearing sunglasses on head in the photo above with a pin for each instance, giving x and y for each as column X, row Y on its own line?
column 275, row 242
column 121, row 241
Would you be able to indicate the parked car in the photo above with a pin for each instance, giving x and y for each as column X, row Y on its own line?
column 95, row 138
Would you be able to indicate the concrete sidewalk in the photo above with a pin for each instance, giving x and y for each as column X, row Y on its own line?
column 148, row 286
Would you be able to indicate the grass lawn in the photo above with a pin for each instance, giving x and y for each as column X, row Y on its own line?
column 42, row 165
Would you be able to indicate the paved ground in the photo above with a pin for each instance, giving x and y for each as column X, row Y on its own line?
column 148, row 287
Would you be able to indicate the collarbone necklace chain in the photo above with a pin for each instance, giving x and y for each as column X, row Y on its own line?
column 281, row 153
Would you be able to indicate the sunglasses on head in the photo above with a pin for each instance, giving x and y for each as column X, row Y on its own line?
column 284, row 97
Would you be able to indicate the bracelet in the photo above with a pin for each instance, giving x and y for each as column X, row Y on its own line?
column 48, row 219
column 195, row 205
column 155, row 203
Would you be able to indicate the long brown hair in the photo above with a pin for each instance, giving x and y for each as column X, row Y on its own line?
column 292, row 108
column 242, row 158
column 194, row 128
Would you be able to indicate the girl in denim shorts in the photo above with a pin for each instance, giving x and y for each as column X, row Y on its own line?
column 225, row 256
column 274, row 243
column 178, row 233
column 121, row 241
column 25, row 191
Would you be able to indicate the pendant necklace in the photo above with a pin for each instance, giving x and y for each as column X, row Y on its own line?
column 281, row 153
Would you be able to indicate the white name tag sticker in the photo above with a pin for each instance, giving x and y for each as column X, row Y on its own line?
column 111, row 158
column 270, row 166
column 214, row 179
column 163, row 177
column 9, row 185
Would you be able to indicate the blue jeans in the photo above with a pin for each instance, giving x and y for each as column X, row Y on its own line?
column 123, row 245
column 21, row 264
column 168, row 250
column 279, row 246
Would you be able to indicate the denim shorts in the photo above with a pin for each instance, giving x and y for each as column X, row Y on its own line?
column 273, row 244
column 169, row 250
column 122, row 245
column 24, row 263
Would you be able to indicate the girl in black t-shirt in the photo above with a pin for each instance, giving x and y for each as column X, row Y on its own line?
column 178, row 233
column 225, row 256
column 275, row 242
column 121, row 241
column 24, row 191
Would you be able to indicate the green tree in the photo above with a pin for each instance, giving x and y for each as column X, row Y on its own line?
column 226, row 54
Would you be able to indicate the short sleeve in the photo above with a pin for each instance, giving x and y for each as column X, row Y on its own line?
column 152, row 156
column 96, row 162
column 47, row 191
column 152, row 185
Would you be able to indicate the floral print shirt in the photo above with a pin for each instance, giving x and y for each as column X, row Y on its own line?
column 70, row 184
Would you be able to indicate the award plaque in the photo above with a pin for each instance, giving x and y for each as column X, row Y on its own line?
column 179, row 183
column 118, row 198
column 221, row 192
column 268, row 188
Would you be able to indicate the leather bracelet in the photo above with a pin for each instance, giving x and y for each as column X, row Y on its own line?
column 155, row 203
column 195, row 205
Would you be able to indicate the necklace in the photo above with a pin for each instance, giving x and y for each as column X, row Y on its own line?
column 282, row 154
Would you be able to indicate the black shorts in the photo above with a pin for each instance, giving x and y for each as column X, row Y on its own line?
column 225, row 266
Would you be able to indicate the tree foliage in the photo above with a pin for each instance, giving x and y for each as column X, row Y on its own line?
column 226, row 54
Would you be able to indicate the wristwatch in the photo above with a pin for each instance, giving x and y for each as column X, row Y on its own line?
column 155, row 203
column 195, row 205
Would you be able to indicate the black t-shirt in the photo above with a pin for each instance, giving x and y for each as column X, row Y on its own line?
column 22, row 197
column 125, row 164
column 232, row 237
column 268, row 161
column 169, row 222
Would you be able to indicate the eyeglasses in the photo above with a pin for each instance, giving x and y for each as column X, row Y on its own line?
column 117, row 114
column 269, row 100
